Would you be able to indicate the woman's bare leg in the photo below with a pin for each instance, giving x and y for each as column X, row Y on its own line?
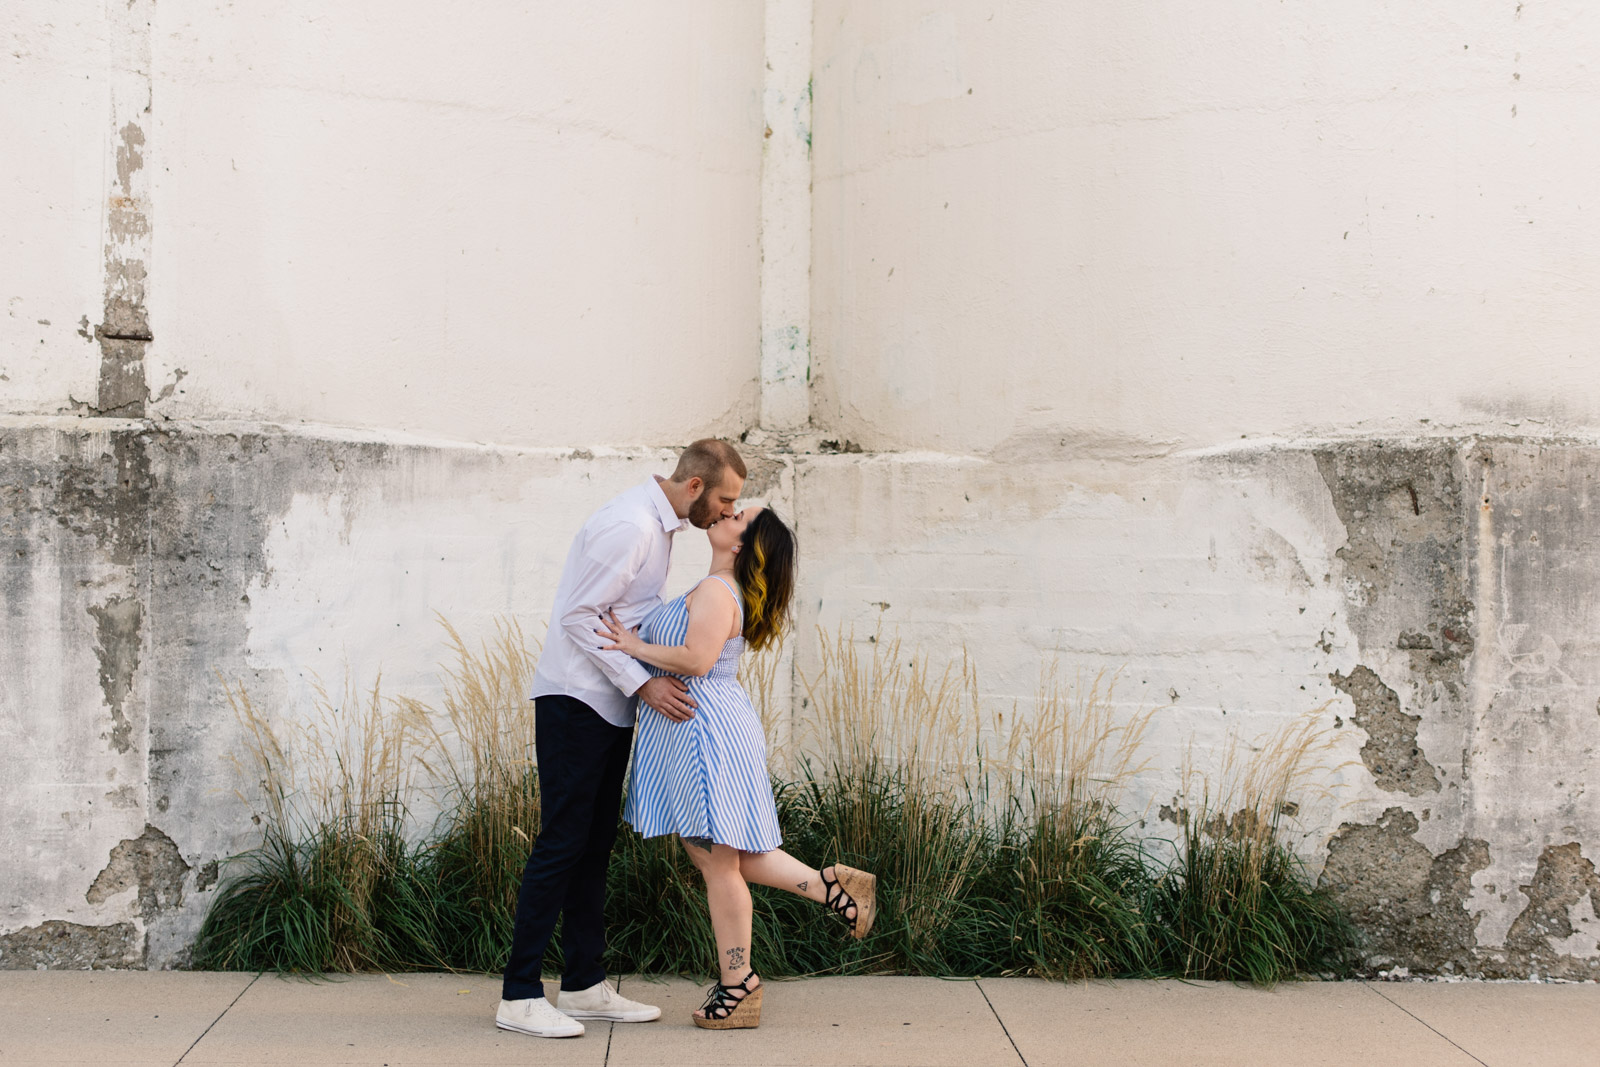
column 780, row 870
column 728, row 897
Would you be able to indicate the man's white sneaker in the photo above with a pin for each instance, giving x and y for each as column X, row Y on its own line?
column 602, row 1002
column 538, row 1017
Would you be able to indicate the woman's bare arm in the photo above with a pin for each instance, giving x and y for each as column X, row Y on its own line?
column 711, row 620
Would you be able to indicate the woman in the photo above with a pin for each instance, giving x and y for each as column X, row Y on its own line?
column 706, row 779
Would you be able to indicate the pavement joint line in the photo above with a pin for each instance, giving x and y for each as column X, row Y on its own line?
column 611, row 1029
column 1020, row 1058
column 218, row 1019
column 1424, row 1022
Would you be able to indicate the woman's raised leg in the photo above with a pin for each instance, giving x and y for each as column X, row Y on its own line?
column 780, row 870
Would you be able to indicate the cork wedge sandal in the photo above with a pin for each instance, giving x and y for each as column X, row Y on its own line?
column 726, row 1011
column 848, row 887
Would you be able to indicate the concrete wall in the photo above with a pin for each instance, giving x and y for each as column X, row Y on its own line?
column 55, row 79
column 1441, row 596
column 147, row 563
column 1255, row 348
column 1251, row 353
column 362, row 215
column 1055, row 226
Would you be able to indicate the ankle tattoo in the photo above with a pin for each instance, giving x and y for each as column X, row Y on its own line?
column 736, row 956
column 802, row 885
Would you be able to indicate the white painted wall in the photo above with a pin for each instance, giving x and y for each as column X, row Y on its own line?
column 54, row 125
column 1207, row 587
column 1046, row 223
column 454, row 534
column 460, row 220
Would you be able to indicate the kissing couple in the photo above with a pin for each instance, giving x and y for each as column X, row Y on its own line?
column 617, row 654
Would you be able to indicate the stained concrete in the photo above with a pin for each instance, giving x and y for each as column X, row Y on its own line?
column 1447, row 643
column 1199, row 487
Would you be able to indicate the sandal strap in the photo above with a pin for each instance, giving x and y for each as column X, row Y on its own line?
column 834, row 895
column 720, row 1001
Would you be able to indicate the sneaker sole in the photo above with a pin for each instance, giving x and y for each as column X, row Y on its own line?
column 538, row 1033
column 617, row 1017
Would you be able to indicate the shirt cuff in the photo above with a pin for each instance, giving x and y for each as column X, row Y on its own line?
column 634, row 677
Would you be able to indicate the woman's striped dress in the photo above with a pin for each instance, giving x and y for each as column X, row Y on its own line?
column 705, row 778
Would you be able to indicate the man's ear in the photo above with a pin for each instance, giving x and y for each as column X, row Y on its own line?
column 694, row 487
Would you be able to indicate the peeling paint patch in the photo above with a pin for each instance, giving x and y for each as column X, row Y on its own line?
column 1409, row 902
column 1539, row 941
column 762, row 474
column 1405, row 553
column 117, row 624
column 152, row 863
column 206, row 876
column 1391, row 751
column 57, row 945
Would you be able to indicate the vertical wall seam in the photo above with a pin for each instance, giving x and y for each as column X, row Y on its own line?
column 124, row 331
column 785, row 234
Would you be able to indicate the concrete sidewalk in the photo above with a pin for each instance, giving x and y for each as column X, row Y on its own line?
column 109, row 1018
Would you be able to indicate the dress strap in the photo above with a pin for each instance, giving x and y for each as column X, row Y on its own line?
column 737, row 599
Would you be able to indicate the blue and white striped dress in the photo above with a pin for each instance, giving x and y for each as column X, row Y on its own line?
column 705, row 778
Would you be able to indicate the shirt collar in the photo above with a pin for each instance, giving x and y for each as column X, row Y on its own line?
column 664, row 511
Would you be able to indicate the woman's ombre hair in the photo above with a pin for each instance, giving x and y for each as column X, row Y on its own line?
column 764, row 569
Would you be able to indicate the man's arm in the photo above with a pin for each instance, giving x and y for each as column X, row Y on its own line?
column 611, row 560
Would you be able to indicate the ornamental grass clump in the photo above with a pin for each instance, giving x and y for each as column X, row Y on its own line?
column 1237, row 902
column 1083, row 883
column 886, row 786
column 331, row 886
column 479, row 754
column 998, row 835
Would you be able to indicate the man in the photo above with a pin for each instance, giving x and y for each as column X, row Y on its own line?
column 583, row 732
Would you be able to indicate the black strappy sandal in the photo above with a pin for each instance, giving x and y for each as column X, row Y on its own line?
column 724, row 1011
column 849, row 887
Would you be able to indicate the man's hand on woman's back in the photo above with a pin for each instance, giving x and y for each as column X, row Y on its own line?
column 669, row 696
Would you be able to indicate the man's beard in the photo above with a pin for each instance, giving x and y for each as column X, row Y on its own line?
column 701, row 513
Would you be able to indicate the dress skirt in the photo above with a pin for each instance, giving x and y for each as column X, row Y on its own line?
column 706, row 778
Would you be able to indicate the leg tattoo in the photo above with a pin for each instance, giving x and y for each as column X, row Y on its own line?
column 736, row 957
column 802, row 885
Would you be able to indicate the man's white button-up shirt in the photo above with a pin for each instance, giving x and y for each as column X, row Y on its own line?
column 618, row 562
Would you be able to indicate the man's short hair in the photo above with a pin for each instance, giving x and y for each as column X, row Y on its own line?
column 707, row 459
